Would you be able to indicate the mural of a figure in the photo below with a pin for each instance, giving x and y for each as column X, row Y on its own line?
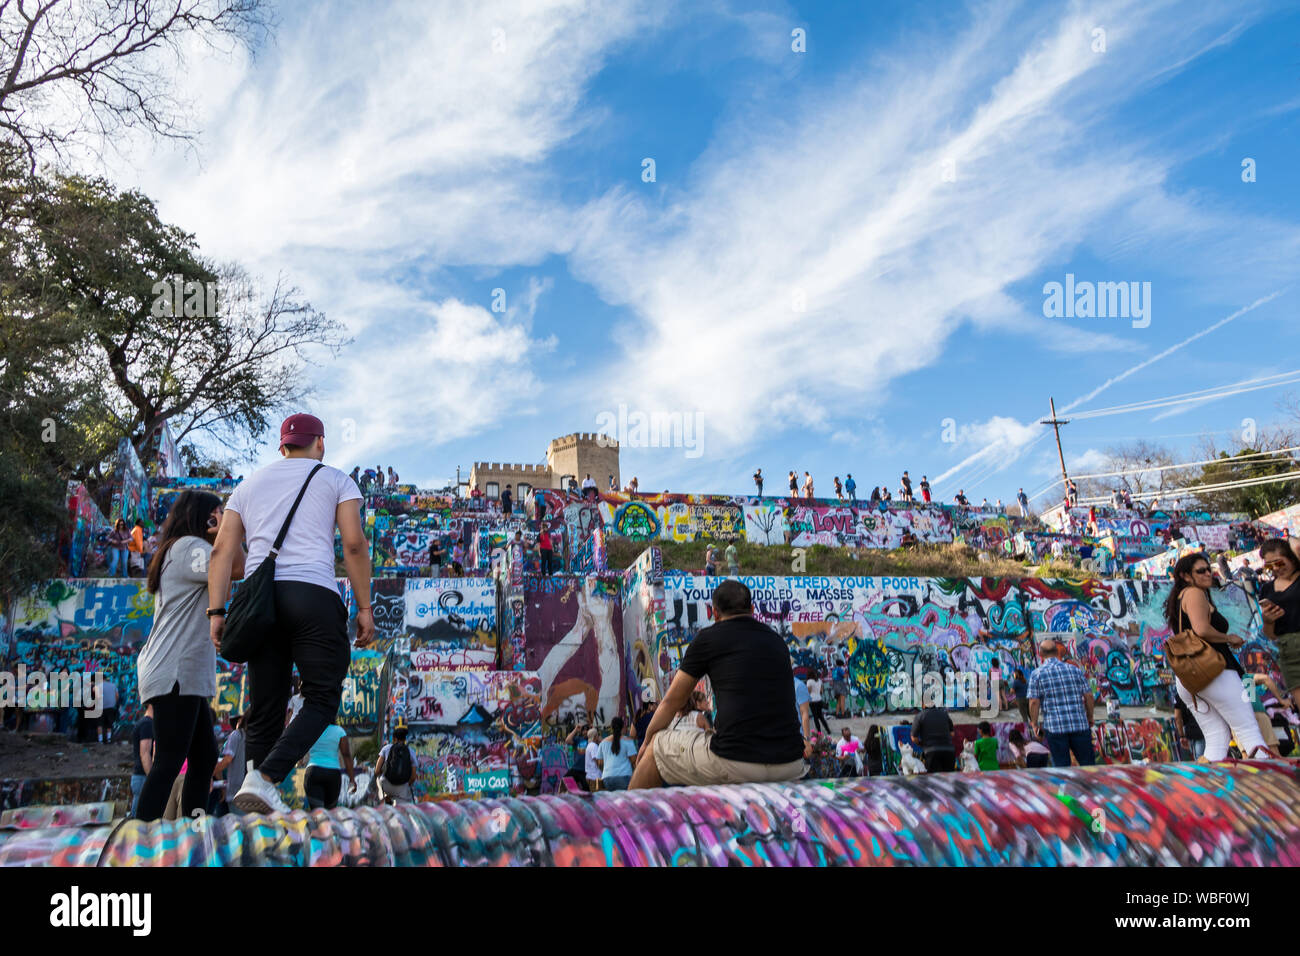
column 595, row 619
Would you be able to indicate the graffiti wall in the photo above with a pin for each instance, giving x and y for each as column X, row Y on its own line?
column 470, row 722
column 1288, row 520
column 1245, row 814
column 164, row 454
column 644, row 628
column 452, row 622
column 573, row 640
column 881, row 630
column 130, row 485
column 82, row 547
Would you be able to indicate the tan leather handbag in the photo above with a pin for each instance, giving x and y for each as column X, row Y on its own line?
column 1195, row 663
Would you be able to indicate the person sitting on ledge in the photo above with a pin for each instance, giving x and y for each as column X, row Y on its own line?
column 757, row 737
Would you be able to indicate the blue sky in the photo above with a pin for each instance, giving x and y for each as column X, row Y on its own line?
column 914, row 177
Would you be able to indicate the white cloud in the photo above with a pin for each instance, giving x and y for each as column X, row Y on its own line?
column 842, row 200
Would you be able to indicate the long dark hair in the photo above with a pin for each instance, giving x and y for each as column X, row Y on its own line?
column 873, row 741
column 188, row 517
column 616, row 729
column 1172, row 603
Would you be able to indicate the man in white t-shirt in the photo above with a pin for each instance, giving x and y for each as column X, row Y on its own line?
column 311, row 619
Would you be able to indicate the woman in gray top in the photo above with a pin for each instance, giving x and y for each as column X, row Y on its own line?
column 177, row 667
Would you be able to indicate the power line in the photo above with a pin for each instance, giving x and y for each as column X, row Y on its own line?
column 1194, row 490
column 1234, row 460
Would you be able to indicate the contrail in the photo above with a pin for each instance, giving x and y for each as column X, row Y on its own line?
column 1167, row 352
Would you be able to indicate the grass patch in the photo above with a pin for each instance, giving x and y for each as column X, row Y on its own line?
column 925, row 560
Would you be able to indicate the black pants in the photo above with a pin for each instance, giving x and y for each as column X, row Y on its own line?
column 940, row 761
column 322, row 785
column 312, row 632
column 182, row 730
column 546, row 562
column 819, row 715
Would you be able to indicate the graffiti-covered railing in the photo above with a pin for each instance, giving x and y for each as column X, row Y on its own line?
column 1244, row 814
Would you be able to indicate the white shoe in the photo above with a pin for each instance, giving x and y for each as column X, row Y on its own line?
column 258, row 795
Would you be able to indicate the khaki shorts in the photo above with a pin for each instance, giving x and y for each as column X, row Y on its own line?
column 1288, row 659
column 399, row 792
column 684, row 758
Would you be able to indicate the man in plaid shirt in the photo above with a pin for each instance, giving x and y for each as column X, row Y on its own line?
column 1059, row 700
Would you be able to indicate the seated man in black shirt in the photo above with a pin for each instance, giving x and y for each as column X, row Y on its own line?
column 932, row 736
column 757, row 737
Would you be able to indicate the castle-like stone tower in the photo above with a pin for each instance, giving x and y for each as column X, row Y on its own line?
column 573, row 456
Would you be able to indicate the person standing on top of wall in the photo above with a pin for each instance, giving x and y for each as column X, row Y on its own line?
column 907, row 487
column 807, row 486
column 177, row 667
column 539, row 504
column 851, row 487
column 925, row 489
column 839, row 488
column 757, row 737
column 436, row 556
column 758, row 481
column 1023, row 500
column 544, row 547
column 507, row 502
column 356, row 474
column 311, row 620
column 794, row 485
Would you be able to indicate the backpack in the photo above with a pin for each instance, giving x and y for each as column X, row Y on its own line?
column 1195, row 663
column 397, row 768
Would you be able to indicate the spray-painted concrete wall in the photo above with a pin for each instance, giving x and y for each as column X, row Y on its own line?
column 1244, row 814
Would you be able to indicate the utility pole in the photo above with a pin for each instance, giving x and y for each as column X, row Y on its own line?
column 1056, row 424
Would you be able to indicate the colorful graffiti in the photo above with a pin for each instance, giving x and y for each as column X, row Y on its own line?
column 1243, row 814
column 645, row 628
column 129, row 484
column 82, row 547
column 452, row 622
column 573, row 639
column 882, row 629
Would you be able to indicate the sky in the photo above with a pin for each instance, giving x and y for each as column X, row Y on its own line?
column 823, row 233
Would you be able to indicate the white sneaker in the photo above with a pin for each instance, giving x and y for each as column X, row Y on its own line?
column 258, row 795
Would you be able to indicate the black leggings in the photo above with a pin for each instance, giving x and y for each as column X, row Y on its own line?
column 322, row 785
column 182, row 730
column 819, row 715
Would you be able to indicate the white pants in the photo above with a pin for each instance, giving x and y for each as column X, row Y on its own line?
column 1222, row 712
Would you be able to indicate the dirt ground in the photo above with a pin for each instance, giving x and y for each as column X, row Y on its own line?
column 53, row 756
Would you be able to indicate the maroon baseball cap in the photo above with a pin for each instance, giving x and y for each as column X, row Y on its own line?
column 299, row 430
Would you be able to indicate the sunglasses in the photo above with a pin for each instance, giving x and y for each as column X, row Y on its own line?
column 1200, row 570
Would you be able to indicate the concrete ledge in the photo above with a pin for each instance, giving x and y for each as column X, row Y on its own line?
column 1230, row 814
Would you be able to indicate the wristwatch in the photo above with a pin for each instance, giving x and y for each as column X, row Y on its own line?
column 216, row 612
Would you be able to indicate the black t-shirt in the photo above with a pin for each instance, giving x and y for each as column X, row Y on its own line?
column 932, row 730
column 435, row 553
column 142, row 731
column 749, row 667
column 907, row 483
column 1289, row 601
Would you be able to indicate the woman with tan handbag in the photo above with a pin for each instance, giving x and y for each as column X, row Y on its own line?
column 1219, row 705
